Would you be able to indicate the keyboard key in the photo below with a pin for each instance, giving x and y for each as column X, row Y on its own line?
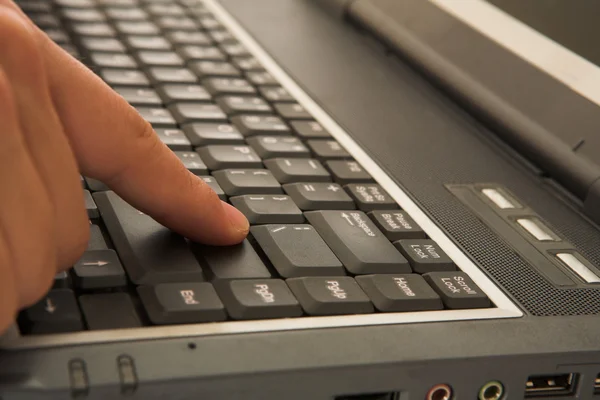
column 247, row 64
column 99, row 29
column 57, row 312
column 397, row 225
column 228, row 86
column 357, row 242
column 457, row 290
column 126, row 14
column 310, row 130
column 205, row 69
column 400, row 293
column 137, row 28
column 370, row 197
column 225, row 156
column 258, row 299
column 90, row 206
column 160, row 59
column 240, row 105
column 319, row 196
column 149, row 252
column 109, row 311
column 237, row 182
column 291, row 170
column 95, row 185
column 96, row 241
column 177, row 23
column 210, row 23
column 168, row 10
column 175, row 139
column 61, row 281
column 103, row 44
column 57, row 35
column 139, row 96
column 203, row 134
column 45, row 20
column 212, row 182
column 34, row 7
column 278, row 146
column 222, row 37
column 113, row 60
column 191, row 38
column 157, row 116
column 292, row 111
column 268, row 209
column 99, row 269
column 83, row 15
column 149, row 43
column 182, row 303
column 330, row 295
column 273, row 94
column 195, row 112
column 250, row 125
column 239, row 261
column 176, row 92
column 425, row 255
column 261, row 79
column 297, row 250
column 124, row 77
column 324, row 149
column 198, row 53
column 160, row 75
column 235, row 49
column 345, row 172
column 192, row 162
column 75, row 3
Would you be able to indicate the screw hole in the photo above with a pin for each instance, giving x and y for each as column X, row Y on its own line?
column 192, row 346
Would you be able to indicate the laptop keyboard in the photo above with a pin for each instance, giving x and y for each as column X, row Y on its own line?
column 326, row 239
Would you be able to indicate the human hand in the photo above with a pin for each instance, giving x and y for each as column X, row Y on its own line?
column 57, row 120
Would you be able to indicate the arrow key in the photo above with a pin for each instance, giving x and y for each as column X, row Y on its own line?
column 57, row 312
column 99, row 269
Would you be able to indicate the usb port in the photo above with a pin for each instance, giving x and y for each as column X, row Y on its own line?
column 597, row 384
column 551, row 385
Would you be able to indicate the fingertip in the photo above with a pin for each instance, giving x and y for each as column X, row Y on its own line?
column 238, row 222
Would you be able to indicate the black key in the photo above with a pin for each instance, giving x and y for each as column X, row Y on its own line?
column 149, row 252
column 211, row 23
column 113, row 60
column 192, row 162
column 228, row 86
column 61, row 281
column 278, row 146
column 425, row 255
column 103, row 44
column 203, row 134
column 90, row 205
column 206, row 69
column 457, row 290
column 99, row 269
column 195, row 112
column 400, row 293
column 221, row 156
column 198, row 53
column 157, row 116
column 57, row 312
column 126, row 14
column 150, row 44
column 239, row 261
column 139, row 96
column 214, row 185
column 258, row 299
column 83, row 15
column 222, row 37
column 330, row 295
column 268, row 209
column 117, row 3
column 168, row 10
column 182, row 303
column 243, row 104
column 370, row 197
column 99, row 29
column 292, row 111
column 297, row 250
column 75, row 3
column 357, row 242
column 234, row 49
column 177, row 92
column 160, row 75
column 291, row 170
column 276, row 94
column 177, row 23
column 237, row 182
column 319, row 196
column 310, row 130
column 250, row 125
column 345, row 171
column 57, row 35
column 397, row 225
column 95, row 185
column 188, row 38
column 261, row 79
column 124, row 77
column 248, row 64
column 137, row 28
column 175, row 139
column 96, row 241
column 45, row 20
column 324, row 149
column 34, row 7
column 160, row 59
column 109, row 311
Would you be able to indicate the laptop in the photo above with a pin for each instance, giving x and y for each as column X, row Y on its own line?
column 422, row 180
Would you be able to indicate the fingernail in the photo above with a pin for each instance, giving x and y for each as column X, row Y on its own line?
column 236, row 218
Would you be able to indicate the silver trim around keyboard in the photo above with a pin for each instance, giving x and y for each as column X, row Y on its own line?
column 505, row 307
